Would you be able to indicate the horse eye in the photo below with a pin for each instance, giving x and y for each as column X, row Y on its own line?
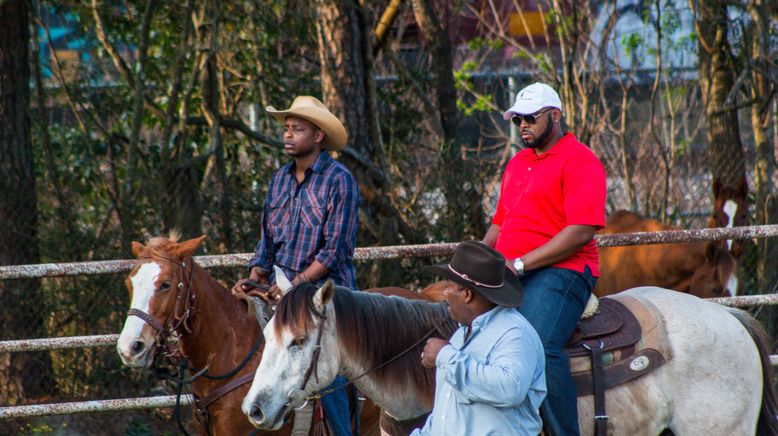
column 164, row 286
column 298, row 341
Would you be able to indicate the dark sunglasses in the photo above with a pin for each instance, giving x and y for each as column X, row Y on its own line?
column 529, row 119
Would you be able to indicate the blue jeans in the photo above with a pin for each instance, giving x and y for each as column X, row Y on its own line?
column 554, row 299
column 337, row 410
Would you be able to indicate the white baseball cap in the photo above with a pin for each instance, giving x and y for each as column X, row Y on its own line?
column 532, row 99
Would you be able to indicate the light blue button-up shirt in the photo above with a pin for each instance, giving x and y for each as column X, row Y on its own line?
column 491, row 383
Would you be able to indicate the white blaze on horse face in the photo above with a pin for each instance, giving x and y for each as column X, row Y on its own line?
column 143, row 286
column 730, row 209
column 279, row 377
column 732, row 284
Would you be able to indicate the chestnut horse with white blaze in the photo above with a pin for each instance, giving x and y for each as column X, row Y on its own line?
column 172, row 295
column 716, row 379
column 730, row 209
column 705, row 269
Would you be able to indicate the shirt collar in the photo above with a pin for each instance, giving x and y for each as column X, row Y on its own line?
column 317, row 166
column 558, row 147
column 476, row 325
column 485, row 317
column 321, row 161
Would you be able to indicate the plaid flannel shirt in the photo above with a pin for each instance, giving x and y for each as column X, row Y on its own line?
column 313, row 220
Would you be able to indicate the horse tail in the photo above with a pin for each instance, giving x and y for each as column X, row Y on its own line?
column 768, row 415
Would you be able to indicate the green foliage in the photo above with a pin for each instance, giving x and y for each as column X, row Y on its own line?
column 631, row 43
column 44, row 428
column 481, row 103
column 478, row 43
column 464, row 81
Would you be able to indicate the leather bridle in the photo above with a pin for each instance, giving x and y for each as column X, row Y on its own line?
column 182, row 312
column 313, row 367
column 180, row 317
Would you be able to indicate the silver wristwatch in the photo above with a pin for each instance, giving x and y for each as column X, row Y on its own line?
column 519, row 265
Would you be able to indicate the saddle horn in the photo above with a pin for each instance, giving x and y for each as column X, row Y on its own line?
column 282, row 281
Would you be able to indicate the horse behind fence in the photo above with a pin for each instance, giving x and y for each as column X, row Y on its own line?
column 730, row 209
column 705, row 269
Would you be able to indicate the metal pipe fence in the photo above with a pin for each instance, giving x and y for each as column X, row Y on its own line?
column 93, row 406
column 361, row 254
column 391, row 252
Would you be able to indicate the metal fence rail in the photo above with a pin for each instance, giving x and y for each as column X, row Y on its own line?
column 62, row 343
column 391, row 252
column 92, row 406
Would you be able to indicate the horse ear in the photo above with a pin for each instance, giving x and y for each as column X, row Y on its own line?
column 716, row 187
column 282, row 281
column 187, row 248
column 434, row 292
column 137, row 248
column 324, row 295
column 713, row 249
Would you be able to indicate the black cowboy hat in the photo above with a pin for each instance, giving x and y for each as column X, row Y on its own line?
column 481, row 268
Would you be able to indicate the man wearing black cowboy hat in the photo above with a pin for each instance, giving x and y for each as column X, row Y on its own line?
column 490, row 375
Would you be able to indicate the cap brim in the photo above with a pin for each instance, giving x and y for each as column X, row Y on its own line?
column 510, row 294
column 521, row 109
column 525, row 109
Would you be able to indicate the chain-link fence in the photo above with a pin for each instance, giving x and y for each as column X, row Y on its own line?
column 98, row 187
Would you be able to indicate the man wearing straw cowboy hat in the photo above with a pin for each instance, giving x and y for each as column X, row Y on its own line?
column 309, row 220
column 490, row 376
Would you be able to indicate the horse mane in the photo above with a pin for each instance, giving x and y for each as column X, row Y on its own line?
column 373, row 328
column 159, row 246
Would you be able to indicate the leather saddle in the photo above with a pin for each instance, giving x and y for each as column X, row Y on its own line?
column 613, row 332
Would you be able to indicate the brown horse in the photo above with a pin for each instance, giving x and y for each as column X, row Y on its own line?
column 173, row 296
column 730, row 209
column 704, row 269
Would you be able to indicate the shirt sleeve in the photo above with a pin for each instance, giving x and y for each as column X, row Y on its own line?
column 584, row 190
column 264, row 253
column 340, row 228
column 504, row 381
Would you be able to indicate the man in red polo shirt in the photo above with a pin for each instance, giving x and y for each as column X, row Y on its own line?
column 552, row 200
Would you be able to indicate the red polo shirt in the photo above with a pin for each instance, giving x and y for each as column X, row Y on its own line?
column 541, row 195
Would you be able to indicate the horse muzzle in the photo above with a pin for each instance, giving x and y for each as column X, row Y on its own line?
column 136, row 354
column 262, row 415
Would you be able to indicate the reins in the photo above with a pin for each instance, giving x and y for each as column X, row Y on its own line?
column 183, row 311
column 315, row 357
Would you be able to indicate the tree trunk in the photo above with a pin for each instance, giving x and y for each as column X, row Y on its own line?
column 349, row 92
column 717, row 76
column 764, row 168
column 462, row 217
column 22, row 375
column 180, row 174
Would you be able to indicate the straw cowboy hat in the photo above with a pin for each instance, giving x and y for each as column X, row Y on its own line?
column 481, row 268
column 311, row 109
